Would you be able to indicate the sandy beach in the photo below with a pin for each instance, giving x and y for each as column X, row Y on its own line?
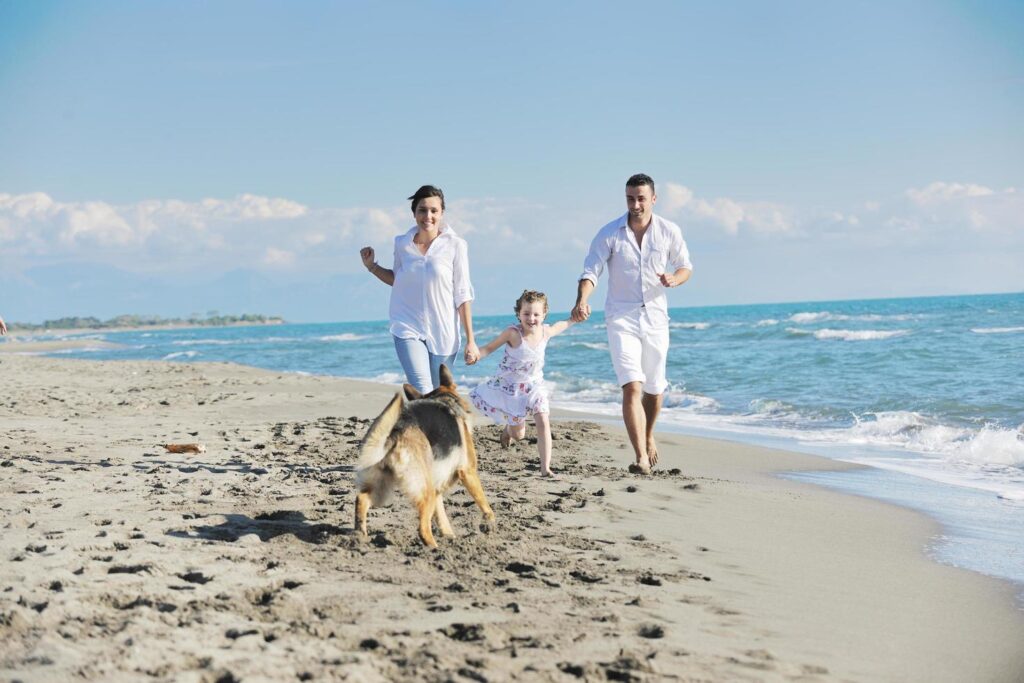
column 121, row 562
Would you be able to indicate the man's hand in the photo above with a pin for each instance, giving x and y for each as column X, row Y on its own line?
column 366, row 253
column 669, row 280
column 580, row 312
column 472, row 354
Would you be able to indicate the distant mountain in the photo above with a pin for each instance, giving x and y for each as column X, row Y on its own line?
column 128, row 321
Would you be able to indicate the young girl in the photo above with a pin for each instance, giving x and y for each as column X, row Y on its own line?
column 518, row 389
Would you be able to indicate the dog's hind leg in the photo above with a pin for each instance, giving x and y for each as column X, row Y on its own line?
column 443, row 524
column 362, row 508
column 425, row 505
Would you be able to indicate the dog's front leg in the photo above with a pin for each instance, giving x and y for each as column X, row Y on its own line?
column 442, row 518
column 471, row 481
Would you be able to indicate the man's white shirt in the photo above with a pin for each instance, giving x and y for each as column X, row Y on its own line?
column 428, row 290
column 633, row 270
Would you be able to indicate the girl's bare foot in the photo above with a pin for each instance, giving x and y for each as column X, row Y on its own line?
column 550, row 475
column 506, row 438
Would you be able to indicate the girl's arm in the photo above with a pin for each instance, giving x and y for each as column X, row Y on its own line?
column 560, row 327
column 504, row 338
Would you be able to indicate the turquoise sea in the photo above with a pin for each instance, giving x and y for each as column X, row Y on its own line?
column 929, row 391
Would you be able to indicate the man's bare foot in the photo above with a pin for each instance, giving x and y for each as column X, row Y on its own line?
column 652, row 451
column 641, row 467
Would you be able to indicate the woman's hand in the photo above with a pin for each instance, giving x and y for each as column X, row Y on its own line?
column 366, row 253
column 472, row 354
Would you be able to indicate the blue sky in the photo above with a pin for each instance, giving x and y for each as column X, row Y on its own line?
column 179, row 157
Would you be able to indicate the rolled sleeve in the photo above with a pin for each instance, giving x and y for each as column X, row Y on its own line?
column 396, row 264
column 597, row 258
column 680, row 255
column 462, row 290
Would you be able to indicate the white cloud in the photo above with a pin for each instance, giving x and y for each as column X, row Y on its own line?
column 278, row 258
column 729, row 215
column 938, row 192
column 956, row 207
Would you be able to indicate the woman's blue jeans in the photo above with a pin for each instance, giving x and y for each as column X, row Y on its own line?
column 422, row 368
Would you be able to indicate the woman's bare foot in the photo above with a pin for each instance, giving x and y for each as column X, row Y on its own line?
column 550, row 475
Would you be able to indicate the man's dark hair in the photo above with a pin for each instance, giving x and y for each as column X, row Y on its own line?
column 639, row 180
column 424, row 192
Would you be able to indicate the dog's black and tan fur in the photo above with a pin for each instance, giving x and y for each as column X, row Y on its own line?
column 420, row 447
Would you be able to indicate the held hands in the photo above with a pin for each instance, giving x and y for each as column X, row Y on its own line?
column 472, row 354
column 368, row 257
column 580, row 312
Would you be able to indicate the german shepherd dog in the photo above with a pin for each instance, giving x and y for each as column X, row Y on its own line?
column 420, row 447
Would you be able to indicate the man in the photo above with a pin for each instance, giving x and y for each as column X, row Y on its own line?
column 644, row 254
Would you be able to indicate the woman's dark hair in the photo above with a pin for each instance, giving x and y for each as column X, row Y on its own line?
column 639, row 180
column 424, row 192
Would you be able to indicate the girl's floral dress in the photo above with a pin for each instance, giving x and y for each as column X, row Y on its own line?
column 518, row 390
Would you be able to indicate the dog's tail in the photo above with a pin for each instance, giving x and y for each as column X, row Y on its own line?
column 373, row 449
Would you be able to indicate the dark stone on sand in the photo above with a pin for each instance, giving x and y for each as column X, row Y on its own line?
column 651, row 631
column 455, row 588
column 675, row 471
column 631, row 489
column 464, row 632
column 520, row 568
column 599, row 492
column 130, row 569
column 195, row 578
column 369, row 644
column 572, row 669
column 472, row 674
column 235, row 634
column 585, row 577
column 649, row 580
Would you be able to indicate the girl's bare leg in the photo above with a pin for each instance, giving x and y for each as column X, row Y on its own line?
column 512, row 433
column 544, row 442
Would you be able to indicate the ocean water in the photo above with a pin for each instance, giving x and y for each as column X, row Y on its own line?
column 926, row 388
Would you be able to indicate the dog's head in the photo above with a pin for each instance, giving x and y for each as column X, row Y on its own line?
column 447, row 392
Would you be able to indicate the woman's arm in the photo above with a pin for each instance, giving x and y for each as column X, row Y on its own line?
column 472, row 354
column 385, row 275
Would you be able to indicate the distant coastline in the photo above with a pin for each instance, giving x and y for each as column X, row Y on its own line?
column 136, row 322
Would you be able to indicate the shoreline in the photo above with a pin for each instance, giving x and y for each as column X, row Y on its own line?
column 720, row 571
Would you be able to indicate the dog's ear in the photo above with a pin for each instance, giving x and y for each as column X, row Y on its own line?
column 446, row 377
column 411, row 392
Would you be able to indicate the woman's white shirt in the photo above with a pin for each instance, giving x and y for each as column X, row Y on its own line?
column 428, row 290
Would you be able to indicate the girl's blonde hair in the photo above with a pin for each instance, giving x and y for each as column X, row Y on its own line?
column 529, row 296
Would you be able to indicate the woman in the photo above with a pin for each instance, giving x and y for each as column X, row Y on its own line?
column 431, row 292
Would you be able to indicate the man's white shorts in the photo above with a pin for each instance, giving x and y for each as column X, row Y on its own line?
column 639, row 350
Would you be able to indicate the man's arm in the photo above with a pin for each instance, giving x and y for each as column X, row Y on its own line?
column 581, row 311
column 675, row 279
column 593, row 266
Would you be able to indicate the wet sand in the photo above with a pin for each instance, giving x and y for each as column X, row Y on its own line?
column 120, row 561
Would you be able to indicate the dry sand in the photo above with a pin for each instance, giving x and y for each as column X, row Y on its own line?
column 119, row 561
